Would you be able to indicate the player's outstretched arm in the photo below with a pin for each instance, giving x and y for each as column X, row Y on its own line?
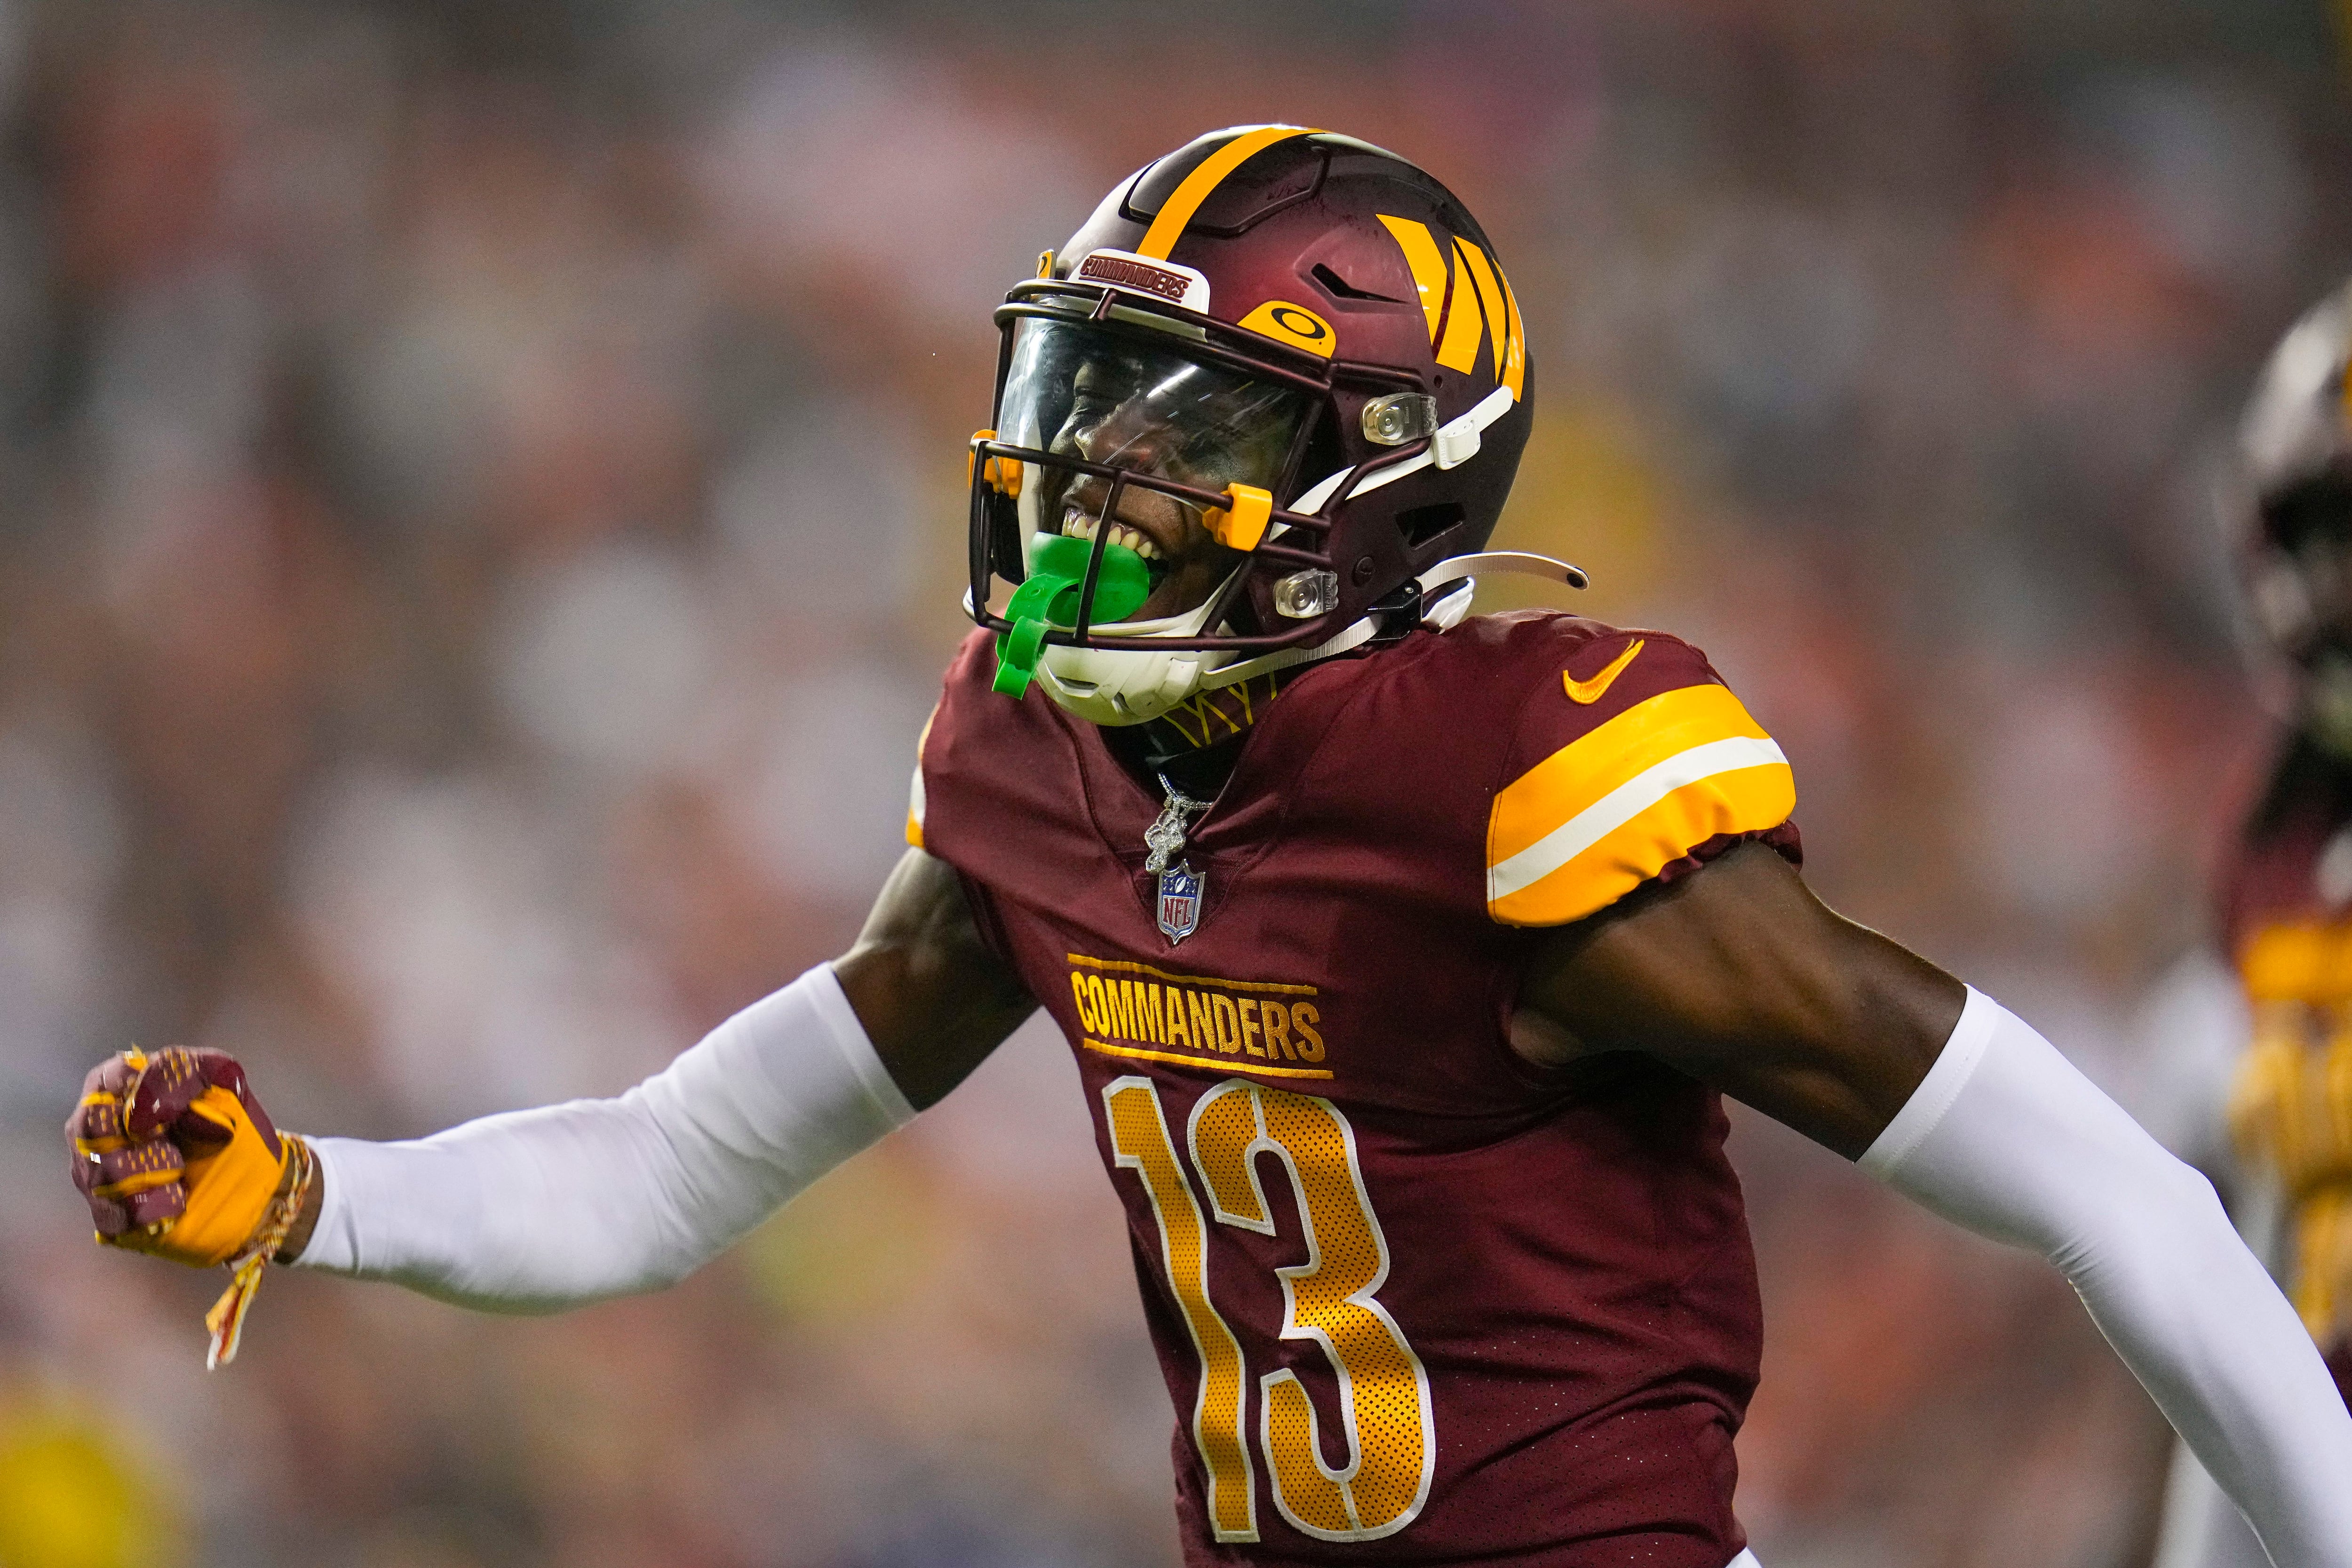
column 1737, row 975
column 537, row 1210
column 932, row 997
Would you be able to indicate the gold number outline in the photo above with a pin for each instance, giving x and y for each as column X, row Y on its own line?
column 1290, row 1275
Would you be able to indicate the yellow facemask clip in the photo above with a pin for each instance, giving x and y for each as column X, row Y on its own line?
column 1241, row 522
column 1003, row 473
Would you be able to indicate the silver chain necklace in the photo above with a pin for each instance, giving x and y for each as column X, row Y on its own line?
column 1182, row 891
column 1165, row 836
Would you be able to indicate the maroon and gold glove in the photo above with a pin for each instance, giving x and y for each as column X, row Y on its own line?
column 176, row 1158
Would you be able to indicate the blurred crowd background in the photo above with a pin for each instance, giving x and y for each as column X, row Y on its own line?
column 482, row 525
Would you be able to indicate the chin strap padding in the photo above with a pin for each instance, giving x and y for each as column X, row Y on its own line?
column 1050, row 594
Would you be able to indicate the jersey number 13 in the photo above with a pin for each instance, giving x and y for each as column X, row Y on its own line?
column 1391, row 1446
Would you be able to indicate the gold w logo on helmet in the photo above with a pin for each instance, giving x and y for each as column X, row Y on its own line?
column 1468, row 302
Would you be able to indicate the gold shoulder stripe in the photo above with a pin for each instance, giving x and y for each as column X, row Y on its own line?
column 1168, row 227
column 1428, row 265
column 2298, row 962
column 1607, row 811
column 1606, row 756
column 1490, row 301
column 1747, row 794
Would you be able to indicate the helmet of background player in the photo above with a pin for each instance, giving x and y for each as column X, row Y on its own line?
column 2293, row 518
column 1274, row 379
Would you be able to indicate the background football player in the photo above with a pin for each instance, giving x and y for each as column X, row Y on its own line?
column 1403, row 957
column 2278, row 1126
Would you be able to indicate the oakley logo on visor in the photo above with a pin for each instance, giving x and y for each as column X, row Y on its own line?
column 1294, row 324
column 1179, row 286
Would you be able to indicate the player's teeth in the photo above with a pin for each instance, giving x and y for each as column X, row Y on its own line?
column 1077, row 525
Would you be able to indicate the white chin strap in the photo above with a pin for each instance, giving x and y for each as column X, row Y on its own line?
column 1501, row 563
column 1441, row 610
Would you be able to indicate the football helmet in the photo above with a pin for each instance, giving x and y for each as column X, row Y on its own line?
column 2293, row 515
column 1265, row 405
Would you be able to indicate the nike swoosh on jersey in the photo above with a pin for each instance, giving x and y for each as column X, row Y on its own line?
column 1590, row 691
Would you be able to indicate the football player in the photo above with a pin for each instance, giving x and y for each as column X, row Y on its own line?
column 1403, row 956
column 2285, row 914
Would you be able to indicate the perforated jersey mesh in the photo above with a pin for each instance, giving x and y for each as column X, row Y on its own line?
column 1140, row 1137
column 1385, row 1390
column 1380, row 1480
column 1224, row 1125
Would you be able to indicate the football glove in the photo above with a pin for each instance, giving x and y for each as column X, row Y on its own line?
column 177, row 1159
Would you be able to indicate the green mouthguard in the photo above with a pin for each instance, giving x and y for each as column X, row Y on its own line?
column 1057, row 568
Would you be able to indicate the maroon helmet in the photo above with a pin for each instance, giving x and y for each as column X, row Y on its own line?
column 2292, row 517
column 1277, row 377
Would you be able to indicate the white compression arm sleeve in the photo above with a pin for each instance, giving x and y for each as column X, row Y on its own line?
column 2005, row 1137
column 538, row 1210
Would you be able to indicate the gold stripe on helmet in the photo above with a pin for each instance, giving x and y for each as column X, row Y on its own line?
column 1482, row 303
column 1515, row 363
column 1465, row 326
column 1490, row 298
column 1428, row 264
column 1178, row 210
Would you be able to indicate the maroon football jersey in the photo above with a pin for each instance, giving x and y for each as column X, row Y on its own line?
column 2286, row 911
column 1416, row 1301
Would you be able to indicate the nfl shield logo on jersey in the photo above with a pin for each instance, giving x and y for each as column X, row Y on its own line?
column 1180, row 901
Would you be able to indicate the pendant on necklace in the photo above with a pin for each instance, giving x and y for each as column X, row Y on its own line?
column 1182, row 889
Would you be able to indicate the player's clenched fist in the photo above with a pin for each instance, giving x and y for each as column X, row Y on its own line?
column 174, row 1155
column 176, row 1158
